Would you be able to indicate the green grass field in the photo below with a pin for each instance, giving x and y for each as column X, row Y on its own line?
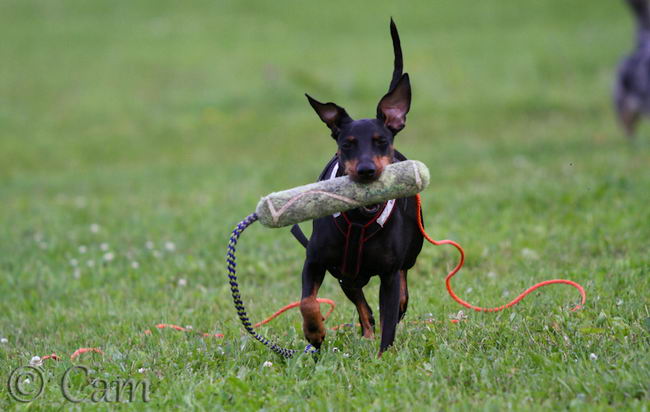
column 135, row 135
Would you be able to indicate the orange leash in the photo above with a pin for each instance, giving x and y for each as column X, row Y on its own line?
column 292, row 305
column 461, row 261
column 330, row 302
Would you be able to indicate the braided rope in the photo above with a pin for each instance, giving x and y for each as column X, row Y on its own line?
column 236, row 296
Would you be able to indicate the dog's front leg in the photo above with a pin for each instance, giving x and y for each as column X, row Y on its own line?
column 312, row 319
column 389, row 300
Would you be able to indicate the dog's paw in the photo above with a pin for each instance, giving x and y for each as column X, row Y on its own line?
column 315, row 334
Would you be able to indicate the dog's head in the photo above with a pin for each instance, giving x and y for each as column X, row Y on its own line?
column 365, row 146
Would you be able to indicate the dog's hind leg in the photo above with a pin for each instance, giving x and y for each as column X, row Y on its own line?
column 629, row 119
column 403, row 294
column 312, row 319
column 389, row 300
column 366, row 319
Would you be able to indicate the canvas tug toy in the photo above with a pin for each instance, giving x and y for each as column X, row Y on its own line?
column 279, row 209
column 402, row 179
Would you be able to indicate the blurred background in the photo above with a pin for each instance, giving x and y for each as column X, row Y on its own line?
column 146, row 103
column 135, row 134
column 117, row 85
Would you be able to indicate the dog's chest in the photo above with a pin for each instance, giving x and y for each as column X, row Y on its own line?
column 376, row 255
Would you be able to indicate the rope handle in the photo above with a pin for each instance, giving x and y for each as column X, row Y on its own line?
column 236, row 295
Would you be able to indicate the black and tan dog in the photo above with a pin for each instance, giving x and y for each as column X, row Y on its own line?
column 632, row 86
column 382, row 240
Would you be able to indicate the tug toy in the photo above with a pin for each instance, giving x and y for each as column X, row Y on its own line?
column 340, row 194
column 312, row 201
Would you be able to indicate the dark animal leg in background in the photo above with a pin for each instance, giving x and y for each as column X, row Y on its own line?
column 366, row 319
column 312, row 319
column 629, row 120
column 389, row 299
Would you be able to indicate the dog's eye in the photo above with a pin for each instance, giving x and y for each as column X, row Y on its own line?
column 346, row 145
column 381, row 142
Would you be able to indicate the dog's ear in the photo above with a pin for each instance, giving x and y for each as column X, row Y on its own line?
column 331, row 114
column 394, row 106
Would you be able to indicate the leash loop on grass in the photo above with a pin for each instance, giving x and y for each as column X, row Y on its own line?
column 461, row 261
column 236, row 295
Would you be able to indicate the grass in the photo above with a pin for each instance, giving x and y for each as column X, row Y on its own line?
column 160, row 121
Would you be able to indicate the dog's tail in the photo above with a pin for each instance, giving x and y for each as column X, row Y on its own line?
column 641, row 11
column 398, row 65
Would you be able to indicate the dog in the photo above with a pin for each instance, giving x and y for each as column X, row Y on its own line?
column 632, row 85
column 381, row 240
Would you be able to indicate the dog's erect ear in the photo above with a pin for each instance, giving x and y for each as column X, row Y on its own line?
column 398, row 63
column 394, row 106
column 331, row 114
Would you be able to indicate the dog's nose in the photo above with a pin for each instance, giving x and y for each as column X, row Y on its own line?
column 366, row 171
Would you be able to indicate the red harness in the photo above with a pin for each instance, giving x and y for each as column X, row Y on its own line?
column 356, row 234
